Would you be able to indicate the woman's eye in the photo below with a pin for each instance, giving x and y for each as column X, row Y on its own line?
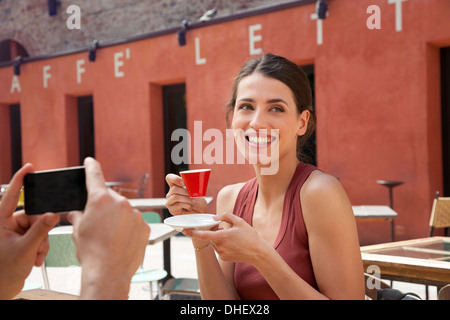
column 277, row 109
column 245, row 107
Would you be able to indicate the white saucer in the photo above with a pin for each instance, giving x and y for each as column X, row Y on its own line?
column 200, row 221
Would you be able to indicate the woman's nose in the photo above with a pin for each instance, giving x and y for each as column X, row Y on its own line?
column 258, row 120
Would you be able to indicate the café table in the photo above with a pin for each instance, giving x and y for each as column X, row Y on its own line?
column 424, row 261
column 113, row 184
column 154, row 203
column 159, row 232
column 145, row 204
column 376, row 213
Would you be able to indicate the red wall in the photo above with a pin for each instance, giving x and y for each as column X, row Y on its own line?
column 377, row 101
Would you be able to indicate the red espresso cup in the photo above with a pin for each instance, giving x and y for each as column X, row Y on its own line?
column 196, row 181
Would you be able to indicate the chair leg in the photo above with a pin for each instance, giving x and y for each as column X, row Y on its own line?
column 45, row 276
column 159, row 290
column 151, row 290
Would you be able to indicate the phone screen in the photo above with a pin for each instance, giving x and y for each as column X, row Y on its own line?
column 60, row 190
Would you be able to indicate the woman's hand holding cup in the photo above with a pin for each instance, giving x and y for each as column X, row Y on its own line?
column 178, row 199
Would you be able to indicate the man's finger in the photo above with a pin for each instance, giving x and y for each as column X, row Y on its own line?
column 74, row 217
column 94, row 175
column 11, row 198
column 34, row 236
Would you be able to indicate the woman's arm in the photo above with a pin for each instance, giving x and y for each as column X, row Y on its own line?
column 333, row 238
column 216, row 279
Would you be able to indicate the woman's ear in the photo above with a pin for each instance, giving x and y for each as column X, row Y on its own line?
column 303, row 120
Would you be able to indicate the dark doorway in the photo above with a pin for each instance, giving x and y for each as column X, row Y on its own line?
column 309, row 150
column 86, row 127
column 445, row 93
column 16, row 138
column 174, row 104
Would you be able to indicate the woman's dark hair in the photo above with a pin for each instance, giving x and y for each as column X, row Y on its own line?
column 291, row 75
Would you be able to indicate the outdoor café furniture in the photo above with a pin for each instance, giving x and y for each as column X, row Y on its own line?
column 154, row 203
column 3, row 188
column 440, row 214
column 43, row 294
column 62, row 252
column 153, row 275
column 376, row 213
column 390, row 184
column 140, row 190
column 147, row 204
column 444, row 293
column 114, row 184
column 424, row 261
column 372, row 284
column 159, row 232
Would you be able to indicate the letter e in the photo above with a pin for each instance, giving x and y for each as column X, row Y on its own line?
column 254, row 38
column 117, row 64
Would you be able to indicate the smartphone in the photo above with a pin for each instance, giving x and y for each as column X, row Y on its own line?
column 60, row 190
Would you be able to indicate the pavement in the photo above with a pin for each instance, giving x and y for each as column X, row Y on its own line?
column 67, row 280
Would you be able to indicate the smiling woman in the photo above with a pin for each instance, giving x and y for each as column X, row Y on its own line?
column 300, row 92
column 278, row 238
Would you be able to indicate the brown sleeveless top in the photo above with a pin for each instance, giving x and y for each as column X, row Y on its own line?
column 291, row 242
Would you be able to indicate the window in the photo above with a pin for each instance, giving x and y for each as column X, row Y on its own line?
column 10, row 49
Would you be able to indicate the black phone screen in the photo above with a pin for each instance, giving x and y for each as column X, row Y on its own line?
column 56, row 191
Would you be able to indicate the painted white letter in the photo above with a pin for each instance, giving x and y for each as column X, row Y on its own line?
column 117, row 64
column 47, row 75
column 254, row 38
column 15, row 84
column 80, row 69
column 398, row 13
column 319, row 28
column 198, row 60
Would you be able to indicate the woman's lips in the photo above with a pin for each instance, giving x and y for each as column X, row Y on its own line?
column 259, row 140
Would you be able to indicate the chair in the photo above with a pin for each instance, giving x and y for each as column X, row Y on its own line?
column 439, row 218
column 444, row 293
column 150, row 276
column 182, row 286
column 140, row 191
column 440, row 214
column 186, row 287
column 372, row 284
column 62, row 253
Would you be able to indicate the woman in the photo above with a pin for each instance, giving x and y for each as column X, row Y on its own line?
column 292, row 234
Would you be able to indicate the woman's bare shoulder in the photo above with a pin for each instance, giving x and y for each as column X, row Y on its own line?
column 226, row 198
column 324, row 196
column 320, row 181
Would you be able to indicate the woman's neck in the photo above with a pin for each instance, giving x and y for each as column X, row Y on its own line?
column 272, row 186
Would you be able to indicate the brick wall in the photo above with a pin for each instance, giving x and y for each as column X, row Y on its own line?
column 28, row 21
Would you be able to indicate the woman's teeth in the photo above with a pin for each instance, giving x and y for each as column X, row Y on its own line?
column 259, row 140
